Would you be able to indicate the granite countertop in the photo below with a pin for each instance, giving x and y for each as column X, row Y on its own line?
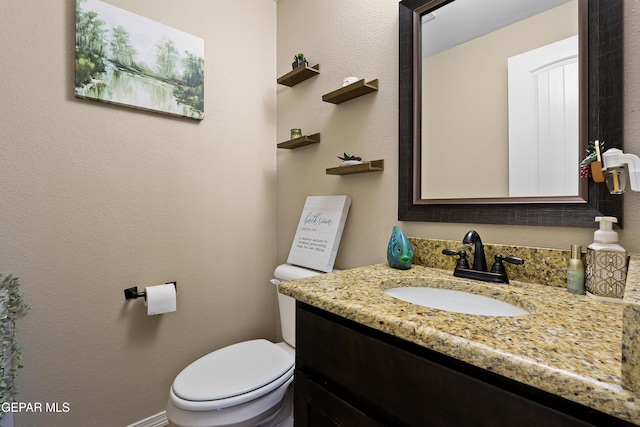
column 570, row 345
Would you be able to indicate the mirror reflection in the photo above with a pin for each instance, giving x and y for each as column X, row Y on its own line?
column 600, row 118
column 500, row 99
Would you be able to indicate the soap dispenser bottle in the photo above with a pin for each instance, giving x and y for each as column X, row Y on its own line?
column 606, row 263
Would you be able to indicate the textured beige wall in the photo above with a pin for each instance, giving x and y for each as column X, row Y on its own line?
column 348, row 38
column 361, row 38
column 98, row 198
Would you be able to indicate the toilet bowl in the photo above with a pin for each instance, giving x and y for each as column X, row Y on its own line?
column 246, row 384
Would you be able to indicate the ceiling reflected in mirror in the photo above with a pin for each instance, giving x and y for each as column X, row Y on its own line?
column 474, row 19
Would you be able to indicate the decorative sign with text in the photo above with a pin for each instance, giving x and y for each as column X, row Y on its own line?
column 317, row 238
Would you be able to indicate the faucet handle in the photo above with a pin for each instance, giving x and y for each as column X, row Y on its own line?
column 498, row 266
column 513, row 260
column 462, row 261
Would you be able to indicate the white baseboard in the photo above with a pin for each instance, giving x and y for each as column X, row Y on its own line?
column 157, row 420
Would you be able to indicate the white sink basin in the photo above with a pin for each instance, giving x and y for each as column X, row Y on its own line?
column 455, row 301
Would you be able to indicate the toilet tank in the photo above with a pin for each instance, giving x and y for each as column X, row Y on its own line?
column 287, row 304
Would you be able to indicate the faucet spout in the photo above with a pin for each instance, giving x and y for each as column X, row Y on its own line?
column 479, row 258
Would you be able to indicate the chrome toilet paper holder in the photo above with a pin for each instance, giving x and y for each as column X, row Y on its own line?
column 132, row 293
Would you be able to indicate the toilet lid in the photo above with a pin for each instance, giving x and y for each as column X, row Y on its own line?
column 232, row 371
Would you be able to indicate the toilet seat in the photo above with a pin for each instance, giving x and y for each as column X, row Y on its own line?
column 232, row 375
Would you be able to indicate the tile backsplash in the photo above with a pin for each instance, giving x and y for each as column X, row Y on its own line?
column 541, row 265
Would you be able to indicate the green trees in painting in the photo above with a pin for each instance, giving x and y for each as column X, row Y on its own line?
column 89, row 45
column 99, row 48
column 166, row 58
column 192, row 92
column 89, row 32
column 121, row 50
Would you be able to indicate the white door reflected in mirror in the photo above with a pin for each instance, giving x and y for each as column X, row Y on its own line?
column 544, row 118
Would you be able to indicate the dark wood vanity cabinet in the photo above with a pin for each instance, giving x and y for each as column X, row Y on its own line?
column 351, row 375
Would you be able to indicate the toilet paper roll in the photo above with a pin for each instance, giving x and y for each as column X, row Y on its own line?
column 160, row 299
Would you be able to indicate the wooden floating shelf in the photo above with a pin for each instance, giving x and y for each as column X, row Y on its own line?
column 299, row 74
column 300, row 142
column 372, row 166
column 354, row 90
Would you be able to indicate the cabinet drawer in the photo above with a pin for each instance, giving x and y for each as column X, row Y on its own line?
column 316, row 406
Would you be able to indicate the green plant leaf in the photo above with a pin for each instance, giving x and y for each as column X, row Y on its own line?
column 14, row 306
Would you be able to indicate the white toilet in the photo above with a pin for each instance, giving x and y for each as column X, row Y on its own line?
column 246, row 384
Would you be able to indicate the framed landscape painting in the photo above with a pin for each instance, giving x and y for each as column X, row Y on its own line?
column 124, row 58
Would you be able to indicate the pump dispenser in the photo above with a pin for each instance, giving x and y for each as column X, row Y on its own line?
column 606, row 263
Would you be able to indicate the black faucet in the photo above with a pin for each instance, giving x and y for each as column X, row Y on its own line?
column 478, row 271
column 479, row 259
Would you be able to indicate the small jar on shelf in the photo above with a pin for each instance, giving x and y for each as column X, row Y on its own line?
column 296, row 133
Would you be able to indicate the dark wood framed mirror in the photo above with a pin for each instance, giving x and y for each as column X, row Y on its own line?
column 601, row 81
